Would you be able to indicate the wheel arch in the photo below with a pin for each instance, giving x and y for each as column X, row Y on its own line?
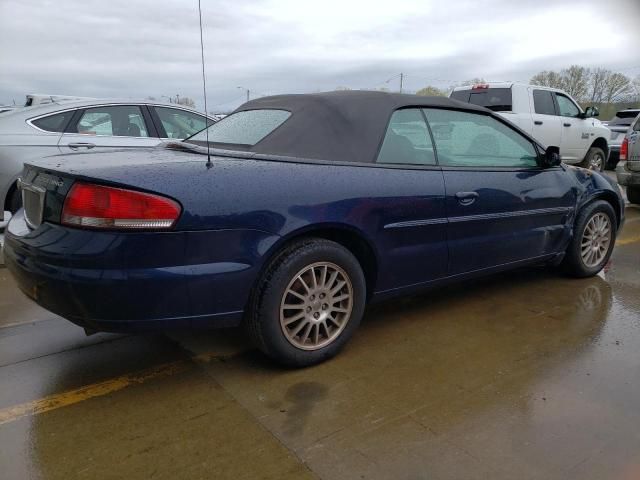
column 349, row 237
column 602, row 143
column 612, row 199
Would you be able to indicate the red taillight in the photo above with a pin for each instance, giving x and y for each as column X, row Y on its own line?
column 480, row 86
column 624, row 149
column 98, row 206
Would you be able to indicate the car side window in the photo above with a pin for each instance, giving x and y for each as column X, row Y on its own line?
column 54, row 123
column 120, row 121
column 465, row 139
column 407, row 140
column 180, row 124
column 566, row 106
column 543, row 102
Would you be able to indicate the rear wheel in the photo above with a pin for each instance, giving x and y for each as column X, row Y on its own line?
column 593, row 240
column 308, row 304
column 594, row 159
column 633, row 194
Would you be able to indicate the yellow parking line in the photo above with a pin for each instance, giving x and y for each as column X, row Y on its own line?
column 59, row 400
column 627, row 241
column 71, row 397
column 64, row 399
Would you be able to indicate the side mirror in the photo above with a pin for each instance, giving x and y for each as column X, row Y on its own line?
column 552, row 157
column 591, row 112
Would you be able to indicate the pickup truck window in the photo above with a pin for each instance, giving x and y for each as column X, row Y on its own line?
column 566, row 106
column 543, row 102
column 496, row 99
column 473, row 140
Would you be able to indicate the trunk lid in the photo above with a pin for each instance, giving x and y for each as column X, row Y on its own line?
column 45, row 184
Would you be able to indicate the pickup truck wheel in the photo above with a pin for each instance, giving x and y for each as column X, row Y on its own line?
column 594, row 159
column 593, row 240
column 308, row 304
column 633, row 195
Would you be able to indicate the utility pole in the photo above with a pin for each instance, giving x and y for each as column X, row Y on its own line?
column 248, row 92
column 401, row 79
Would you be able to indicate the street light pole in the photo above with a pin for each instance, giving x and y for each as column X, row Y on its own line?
column 248, row 92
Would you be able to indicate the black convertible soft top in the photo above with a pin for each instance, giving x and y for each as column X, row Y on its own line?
column 343, row 126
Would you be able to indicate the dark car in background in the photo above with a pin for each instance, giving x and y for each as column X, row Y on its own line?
column 628, row 171
column 619, row 125
column 292, row 213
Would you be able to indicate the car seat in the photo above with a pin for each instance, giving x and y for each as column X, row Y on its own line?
column 484, row 145
column 133, row 130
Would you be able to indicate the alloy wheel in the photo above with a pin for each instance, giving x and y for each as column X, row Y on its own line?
column 596, row 162
column 316, row 306
column 596, row 239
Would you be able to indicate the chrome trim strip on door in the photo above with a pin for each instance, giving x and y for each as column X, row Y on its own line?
column 519, row 213
column 484, row 216
column 416, row 223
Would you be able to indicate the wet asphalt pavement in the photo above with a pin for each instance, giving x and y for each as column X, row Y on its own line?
column 522, row 375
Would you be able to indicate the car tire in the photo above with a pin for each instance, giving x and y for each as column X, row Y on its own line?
column 301, row 282
column 14, row 201
column 595, row 159
column 594, row 236
column 633, row 195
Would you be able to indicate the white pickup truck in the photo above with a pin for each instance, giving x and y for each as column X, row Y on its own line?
column 550, row 115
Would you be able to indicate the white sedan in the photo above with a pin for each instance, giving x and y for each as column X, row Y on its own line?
column 67, row 126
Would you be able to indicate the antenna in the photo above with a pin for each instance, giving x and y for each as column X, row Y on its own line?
column 204, row 90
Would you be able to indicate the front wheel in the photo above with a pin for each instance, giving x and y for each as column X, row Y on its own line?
column 633, row 195
column 308, row 303
column 594, row 159
column 593, row 240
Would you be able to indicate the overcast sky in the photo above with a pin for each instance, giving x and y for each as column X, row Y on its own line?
column 141, row 48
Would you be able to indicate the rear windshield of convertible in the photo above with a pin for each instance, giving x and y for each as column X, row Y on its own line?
column 243, row 128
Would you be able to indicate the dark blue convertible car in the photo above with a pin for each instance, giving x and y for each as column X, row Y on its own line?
column 307, row 207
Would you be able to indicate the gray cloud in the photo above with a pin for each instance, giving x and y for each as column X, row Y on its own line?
column 138, row 49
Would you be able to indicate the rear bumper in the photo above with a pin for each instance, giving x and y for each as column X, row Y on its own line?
column 626, row 177
column 129, row 282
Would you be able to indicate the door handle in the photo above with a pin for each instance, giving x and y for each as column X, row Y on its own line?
column 538, row 122
column 566, row 124
column 81, row 145
column 466, row 198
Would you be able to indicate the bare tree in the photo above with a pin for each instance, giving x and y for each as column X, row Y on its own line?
column 617, row 88
column 547, row 78
column 575, row 80
column 597, row 86
column 430, row 91
column 635, row 85
column 599, row 78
